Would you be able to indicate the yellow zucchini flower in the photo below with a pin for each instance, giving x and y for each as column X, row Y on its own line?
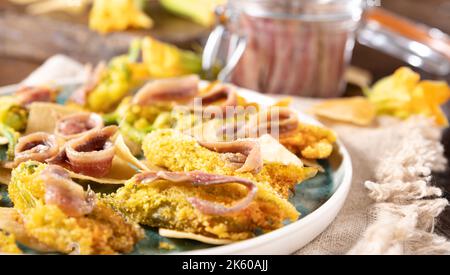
column 403, row 94
column 118, row 15
column 165, row 60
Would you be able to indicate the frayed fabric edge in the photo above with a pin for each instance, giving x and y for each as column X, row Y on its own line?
column 406, row 206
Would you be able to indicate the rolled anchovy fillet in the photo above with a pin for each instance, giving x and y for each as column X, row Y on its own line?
column 171, row 89
column 76, row 125
column 61, row 191
column 249, row 148
column 286, row 121
column 38, row 146
column 220, row 92
column 91, row 154
column 197, row 178
column 28, row 95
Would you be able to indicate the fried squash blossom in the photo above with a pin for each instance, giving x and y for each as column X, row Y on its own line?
column 167, row 205
column 100, row 231
column 175, row 151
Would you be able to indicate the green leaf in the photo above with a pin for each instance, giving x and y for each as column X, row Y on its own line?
column 12, row 137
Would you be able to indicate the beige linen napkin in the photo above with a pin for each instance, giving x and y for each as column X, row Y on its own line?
column 391, row 207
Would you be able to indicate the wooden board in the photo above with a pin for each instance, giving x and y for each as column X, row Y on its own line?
column 38, row 37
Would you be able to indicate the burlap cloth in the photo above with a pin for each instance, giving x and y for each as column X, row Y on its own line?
column 391, row 207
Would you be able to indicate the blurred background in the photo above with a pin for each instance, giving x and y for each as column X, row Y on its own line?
column 27, row 40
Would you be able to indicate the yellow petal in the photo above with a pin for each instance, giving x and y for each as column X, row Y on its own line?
column 117, row 15
column 357, row 110
column 406, row 78
column 284, row 102
column 165, row 60
column 403, row 94
column 435, row 91
column 440, row 117
column 199, row 11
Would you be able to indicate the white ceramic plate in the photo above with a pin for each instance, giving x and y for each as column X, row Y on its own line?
column 294, row 236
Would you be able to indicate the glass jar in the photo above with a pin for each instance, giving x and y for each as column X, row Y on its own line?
column 301, row 47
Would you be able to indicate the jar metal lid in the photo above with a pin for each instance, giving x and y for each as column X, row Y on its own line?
column 305, row 10
column 417, row 44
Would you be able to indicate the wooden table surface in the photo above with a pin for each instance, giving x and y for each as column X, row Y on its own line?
column 20, row 62
column 26, row 41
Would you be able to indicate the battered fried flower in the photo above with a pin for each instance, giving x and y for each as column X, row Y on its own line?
column 175, row 151
column 13, row 114
column 171, row 204
column 304, row 140
column 59, row 214
column 310, row 141
column 8, row 244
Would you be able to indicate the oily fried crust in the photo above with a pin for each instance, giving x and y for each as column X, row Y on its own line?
column 102, row 231
column 175, row 151
column 170, row 208
column 8, row 244
column 310, row 141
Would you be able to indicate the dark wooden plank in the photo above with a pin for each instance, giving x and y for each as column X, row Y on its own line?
column 38, row 37
column 13, row 70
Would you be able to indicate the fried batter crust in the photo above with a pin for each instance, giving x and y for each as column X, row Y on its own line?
column 165, row 204
column 175, row 151
column 103, row 231
column 310, row 141
column 8, row 244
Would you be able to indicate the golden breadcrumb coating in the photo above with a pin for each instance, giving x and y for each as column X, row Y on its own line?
column 310, row 141
column 103, row 231
column 165, row 204
column 8, row 244
column 175, row 151
column 166, row 246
